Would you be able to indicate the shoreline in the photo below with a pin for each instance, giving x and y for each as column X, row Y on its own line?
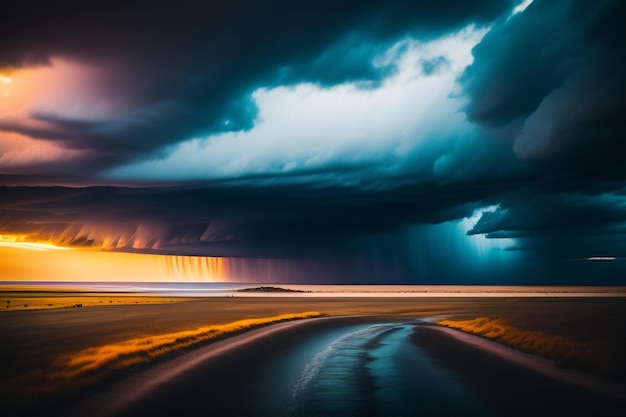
column 33, row 296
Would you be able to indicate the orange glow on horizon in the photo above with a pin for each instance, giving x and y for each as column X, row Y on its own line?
column 186, row 268
column 15, row 241
column 23, row 260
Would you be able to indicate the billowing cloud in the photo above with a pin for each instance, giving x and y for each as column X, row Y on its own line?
column 176, row 71
column 485, row 137
column 399, row 127
column 551, row 80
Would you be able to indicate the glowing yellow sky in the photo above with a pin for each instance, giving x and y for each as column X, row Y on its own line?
column 26, row 261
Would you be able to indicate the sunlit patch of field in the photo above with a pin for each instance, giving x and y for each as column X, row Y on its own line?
column 92, row 364
column 562, row 349
column 17, row 301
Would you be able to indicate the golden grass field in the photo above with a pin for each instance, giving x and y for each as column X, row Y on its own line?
column 92, row 364
column 36, row 300
column 556, row 347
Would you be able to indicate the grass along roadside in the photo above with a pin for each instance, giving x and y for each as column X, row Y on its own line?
column 91, row 365
column 584, row 355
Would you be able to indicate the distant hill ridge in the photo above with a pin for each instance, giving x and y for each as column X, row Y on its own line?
column 268, row 289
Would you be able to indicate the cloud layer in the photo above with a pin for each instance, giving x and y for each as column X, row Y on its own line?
column 181, row 71
column 337, row 131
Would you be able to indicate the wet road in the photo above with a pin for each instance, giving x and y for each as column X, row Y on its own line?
column 361, row 367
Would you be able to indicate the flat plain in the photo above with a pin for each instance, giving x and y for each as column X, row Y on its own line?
column 36, row 342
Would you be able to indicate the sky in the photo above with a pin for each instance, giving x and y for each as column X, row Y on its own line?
column 412, row 142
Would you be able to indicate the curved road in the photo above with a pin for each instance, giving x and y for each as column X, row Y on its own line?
column 353, row 366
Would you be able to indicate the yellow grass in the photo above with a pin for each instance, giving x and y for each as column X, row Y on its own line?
column 554, row 347
column 17, row 301
column 91, row 364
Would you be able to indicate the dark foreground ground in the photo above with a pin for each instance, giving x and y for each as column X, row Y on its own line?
column 357, row 377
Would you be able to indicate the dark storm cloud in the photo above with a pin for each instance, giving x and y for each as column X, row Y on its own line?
column 561, row 230
column 545, row 93
column 187, row 68
column 554, row 212
column 273, row 221
column 552, row 79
